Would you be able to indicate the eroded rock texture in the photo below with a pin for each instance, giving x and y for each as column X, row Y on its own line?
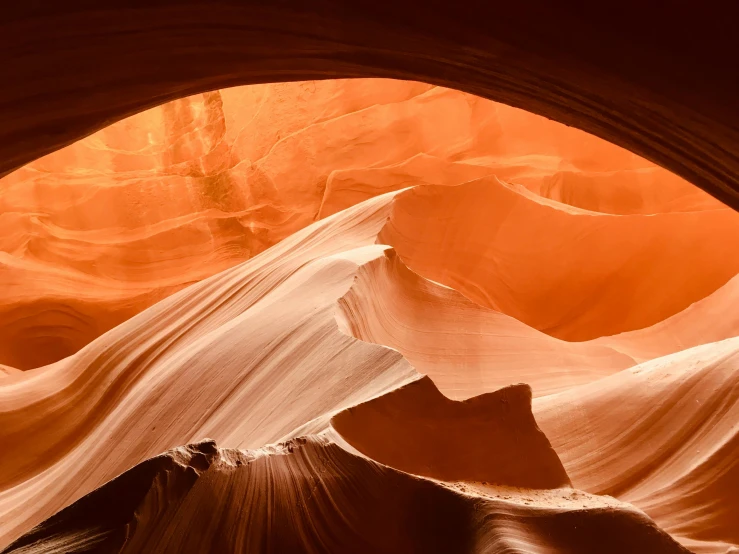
column 199, row 498
column 659, row 81
column 364, row 316
column 98, row 231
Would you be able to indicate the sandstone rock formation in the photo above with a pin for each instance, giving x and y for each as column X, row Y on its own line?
column 662, row 435
column 571, row 273
column 659, row 82
column 96, row 232
column 176, row 503
column 364, row 316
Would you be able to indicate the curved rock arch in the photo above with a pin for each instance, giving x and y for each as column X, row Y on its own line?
column 659, row 80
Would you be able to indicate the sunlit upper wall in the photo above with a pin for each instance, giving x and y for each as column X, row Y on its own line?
column 95, row 232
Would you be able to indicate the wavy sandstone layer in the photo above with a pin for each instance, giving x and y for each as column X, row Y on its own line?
column 265, row 333
column 571, row 273
column 250, row 356
column 94, row 233
column 466, row 349
column 662, row 435
column 710, row 319
column 200, row 498
column 244, row 265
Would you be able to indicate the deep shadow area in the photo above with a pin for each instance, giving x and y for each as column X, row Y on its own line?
column 658, row 79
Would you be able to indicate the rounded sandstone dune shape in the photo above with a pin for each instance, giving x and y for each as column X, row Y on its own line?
column 573, row 274
column 685, row 406
column 309, row 495
column 169, row 196
column 345, row 284
column 491, row 438
column 216, row 359
column 465, row 348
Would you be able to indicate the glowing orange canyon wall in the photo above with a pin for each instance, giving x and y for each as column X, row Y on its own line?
column 98, row 231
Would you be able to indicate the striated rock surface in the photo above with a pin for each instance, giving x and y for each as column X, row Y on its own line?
column 406, row 318
column 465, row 348
column 263, row 352
column 241, row 357
column 663, row 435
column 310, row 495
column 94, row 233
column 571, row 273
column 659, row 82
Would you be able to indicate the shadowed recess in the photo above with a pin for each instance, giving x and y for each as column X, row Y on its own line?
column 658, row 79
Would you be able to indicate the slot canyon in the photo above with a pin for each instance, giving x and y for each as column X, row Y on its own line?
column 315, row 292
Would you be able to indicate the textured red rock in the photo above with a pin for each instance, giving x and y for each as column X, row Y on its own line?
column 662, row 84
column 70, row 427
column 242, row 265
column 466, row 349
column 663, row 435
column 200, row 498
column 571, row 273
column 98, row 231
column 491, row 438
column 243, row 341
